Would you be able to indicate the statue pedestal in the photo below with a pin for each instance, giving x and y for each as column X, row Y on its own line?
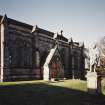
column 92, row 82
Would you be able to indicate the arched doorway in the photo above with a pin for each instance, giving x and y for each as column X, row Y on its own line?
column 56, row 68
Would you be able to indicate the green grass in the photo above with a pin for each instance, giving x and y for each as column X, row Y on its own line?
column 72, row 84
column 68, row 92
column 21, row 82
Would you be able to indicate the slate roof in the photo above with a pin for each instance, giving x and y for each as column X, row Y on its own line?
column 40, row 30
column 60, row 37
column 15, row 22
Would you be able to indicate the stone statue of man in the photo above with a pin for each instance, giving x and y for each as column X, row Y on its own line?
column 94, row 58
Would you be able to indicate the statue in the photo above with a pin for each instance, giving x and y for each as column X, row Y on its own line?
column 92, row 76
column 94, row 58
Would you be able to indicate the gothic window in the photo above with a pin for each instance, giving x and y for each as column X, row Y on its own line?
column 7, row 56
column 16, row 53
column 37, row 58
column 27, row 55
column 75, row 60
column 21, row 54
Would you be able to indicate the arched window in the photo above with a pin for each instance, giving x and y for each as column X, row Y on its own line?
column 21, row 54
column 16, row 53
column 27, row 54
column 37, row 58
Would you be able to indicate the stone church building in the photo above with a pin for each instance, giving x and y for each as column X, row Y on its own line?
column 24, row 50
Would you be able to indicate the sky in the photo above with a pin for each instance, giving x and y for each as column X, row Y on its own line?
column 83, row 20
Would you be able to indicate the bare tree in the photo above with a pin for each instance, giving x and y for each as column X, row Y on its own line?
column 101, row 45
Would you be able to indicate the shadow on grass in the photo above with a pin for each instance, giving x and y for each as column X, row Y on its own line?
column 46, row 94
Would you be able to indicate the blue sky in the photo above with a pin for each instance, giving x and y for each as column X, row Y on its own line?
column 83, row 20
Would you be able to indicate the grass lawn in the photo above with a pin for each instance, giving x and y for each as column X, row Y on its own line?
column 68, row 92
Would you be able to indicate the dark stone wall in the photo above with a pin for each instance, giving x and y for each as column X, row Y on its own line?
column 18, row 51
column 25, row 54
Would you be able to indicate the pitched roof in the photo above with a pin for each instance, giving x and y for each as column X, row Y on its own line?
column 60, row 37
column 40, row 30
column 30, row 27
column 18, row 23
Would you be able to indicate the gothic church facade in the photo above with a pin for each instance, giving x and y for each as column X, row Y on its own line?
column 24, row 49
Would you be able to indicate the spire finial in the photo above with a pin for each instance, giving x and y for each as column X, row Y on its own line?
column 4, row 19
column 34, row 28
column 61, row 32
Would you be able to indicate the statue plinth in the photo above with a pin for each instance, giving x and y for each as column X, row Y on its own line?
column 91, row 82
column 92, row 77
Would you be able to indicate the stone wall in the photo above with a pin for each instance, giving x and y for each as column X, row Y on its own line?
column 25, row 52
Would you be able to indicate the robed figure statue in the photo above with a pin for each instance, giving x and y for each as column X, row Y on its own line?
column 94, row 58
